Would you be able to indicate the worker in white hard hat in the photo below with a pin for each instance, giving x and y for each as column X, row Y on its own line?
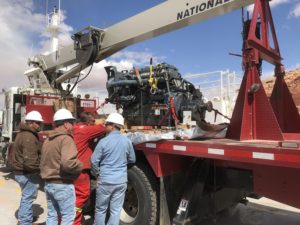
column 109, row 163
column 25, row 162
column 59, row 168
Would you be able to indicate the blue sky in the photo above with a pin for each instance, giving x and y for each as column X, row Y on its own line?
column 199, row 48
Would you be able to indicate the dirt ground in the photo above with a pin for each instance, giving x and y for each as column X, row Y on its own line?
column 292, row 79
column 256, row 212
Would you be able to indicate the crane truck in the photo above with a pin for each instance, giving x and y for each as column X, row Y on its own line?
column 183, row 181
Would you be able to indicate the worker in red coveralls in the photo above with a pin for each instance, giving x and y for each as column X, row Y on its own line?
column 84, row 133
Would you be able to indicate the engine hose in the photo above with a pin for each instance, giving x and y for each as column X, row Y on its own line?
column 152, row 91
column 120, row 83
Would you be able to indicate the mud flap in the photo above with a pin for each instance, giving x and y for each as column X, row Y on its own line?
column 164, row 216
column 195, row 183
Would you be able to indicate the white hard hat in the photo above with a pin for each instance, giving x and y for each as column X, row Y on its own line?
column 34, row 116
column 63, row 114
column 115, row 118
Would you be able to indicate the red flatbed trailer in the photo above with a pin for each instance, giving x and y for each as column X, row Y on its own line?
column 275, row 165
column 259, row 156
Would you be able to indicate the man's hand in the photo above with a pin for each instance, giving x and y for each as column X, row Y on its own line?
column 100, row 121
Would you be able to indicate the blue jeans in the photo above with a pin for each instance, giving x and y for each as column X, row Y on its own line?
column 111, row 195
column 29, row 187
column 61, row 202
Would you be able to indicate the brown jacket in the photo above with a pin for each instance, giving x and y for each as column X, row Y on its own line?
column 27, row 147
column 59, row 163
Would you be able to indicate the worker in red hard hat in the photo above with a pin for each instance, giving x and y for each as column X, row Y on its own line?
column 84, row 133
column 25, row 162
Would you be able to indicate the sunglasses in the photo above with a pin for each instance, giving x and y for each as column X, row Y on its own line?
column 70, row 122
column 36, row 122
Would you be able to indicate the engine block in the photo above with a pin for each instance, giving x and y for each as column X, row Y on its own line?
column 154, row 96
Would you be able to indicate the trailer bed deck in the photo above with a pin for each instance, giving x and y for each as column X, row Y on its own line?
column 277, row 153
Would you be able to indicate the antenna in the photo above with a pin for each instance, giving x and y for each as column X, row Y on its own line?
column 53, row 26
column 46, row 14
column 59, row 19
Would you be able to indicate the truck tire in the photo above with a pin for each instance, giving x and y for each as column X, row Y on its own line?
column 141, row 200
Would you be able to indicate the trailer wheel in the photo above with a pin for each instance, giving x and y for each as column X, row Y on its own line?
column 141, row 200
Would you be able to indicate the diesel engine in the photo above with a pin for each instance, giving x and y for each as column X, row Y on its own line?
column 155, row 96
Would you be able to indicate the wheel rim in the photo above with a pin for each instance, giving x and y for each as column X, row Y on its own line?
column 130, row 208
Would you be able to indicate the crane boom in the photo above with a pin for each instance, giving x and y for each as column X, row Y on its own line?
column 166, row 17
column 94, row 44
